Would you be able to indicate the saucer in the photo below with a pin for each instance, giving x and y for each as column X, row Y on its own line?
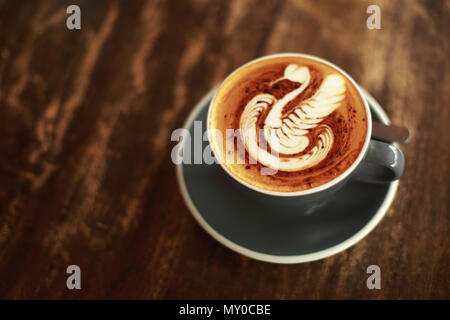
column 277, row 234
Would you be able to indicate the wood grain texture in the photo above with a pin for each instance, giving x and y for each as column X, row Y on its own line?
column 85, row 123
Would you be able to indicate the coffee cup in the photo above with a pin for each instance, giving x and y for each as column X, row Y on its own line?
column 307, row 104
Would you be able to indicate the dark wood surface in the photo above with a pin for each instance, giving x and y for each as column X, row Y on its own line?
column 85, row 123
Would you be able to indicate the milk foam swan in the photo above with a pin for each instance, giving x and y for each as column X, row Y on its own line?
column 287, row 134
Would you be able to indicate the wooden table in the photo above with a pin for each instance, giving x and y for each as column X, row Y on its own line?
column 86, row 116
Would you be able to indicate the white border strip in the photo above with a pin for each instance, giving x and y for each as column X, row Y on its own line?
column 286, row 259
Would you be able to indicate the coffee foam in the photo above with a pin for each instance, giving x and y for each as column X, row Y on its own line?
column 287, row 135
column 295, row 115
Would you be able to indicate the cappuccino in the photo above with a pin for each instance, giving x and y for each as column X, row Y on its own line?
column 296, row 123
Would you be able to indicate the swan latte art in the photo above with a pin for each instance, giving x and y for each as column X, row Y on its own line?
column 298, row 118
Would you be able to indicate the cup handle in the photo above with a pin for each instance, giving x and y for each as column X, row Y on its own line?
column 383, row 163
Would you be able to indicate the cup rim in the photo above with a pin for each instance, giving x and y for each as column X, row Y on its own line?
column 313, row 190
